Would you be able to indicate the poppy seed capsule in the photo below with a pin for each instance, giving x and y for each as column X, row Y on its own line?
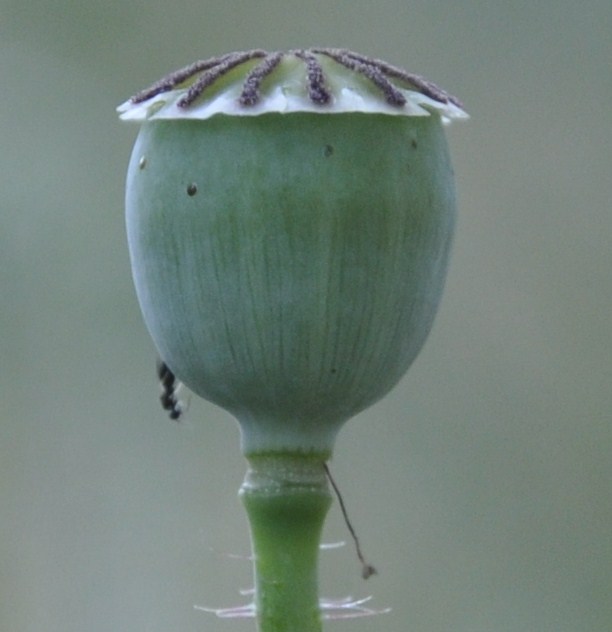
column 289, row 220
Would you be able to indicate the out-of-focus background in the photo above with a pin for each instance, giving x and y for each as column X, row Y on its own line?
column 481, row 487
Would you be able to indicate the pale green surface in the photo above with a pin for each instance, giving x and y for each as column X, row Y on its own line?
column 294, row 288
column 480, row 486
column 286, row 499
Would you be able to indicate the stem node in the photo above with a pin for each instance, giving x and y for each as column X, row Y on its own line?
column 286, row 498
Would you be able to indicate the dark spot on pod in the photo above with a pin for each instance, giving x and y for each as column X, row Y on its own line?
column 413, row 143
column 142, row 163
column 328, row 150
column 192, row 189
column 334, row 370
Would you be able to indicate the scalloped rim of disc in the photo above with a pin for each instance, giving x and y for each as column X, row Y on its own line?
column 285, row 91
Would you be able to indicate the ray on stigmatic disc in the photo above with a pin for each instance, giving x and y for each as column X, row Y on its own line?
column 205, row 73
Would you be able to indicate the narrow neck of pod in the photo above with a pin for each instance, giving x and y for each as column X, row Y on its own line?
column 286, row 497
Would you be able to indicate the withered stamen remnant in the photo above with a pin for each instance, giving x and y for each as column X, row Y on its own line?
column 316, row 81
column 250, row 94
column 379, row 72
column 168, row 397
column 367, row 570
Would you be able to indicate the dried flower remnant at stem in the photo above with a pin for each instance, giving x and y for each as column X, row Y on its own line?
column 381, row 74
column 367, row 570
column 169, row 385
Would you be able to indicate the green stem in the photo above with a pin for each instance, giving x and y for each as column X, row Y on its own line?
column 286, row 498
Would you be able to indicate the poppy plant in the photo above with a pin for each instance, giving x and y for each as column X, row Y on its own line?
column 289, row 218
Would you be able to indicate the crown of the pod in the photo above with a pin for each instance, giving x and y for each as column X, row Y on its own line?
column 322, row 80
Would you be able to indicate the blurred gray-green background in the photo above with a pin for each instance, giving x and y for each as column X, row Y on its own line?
column 481, row 487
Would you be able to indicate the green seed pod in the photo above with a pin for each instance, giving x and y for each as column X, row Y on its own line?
column 289, row 220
